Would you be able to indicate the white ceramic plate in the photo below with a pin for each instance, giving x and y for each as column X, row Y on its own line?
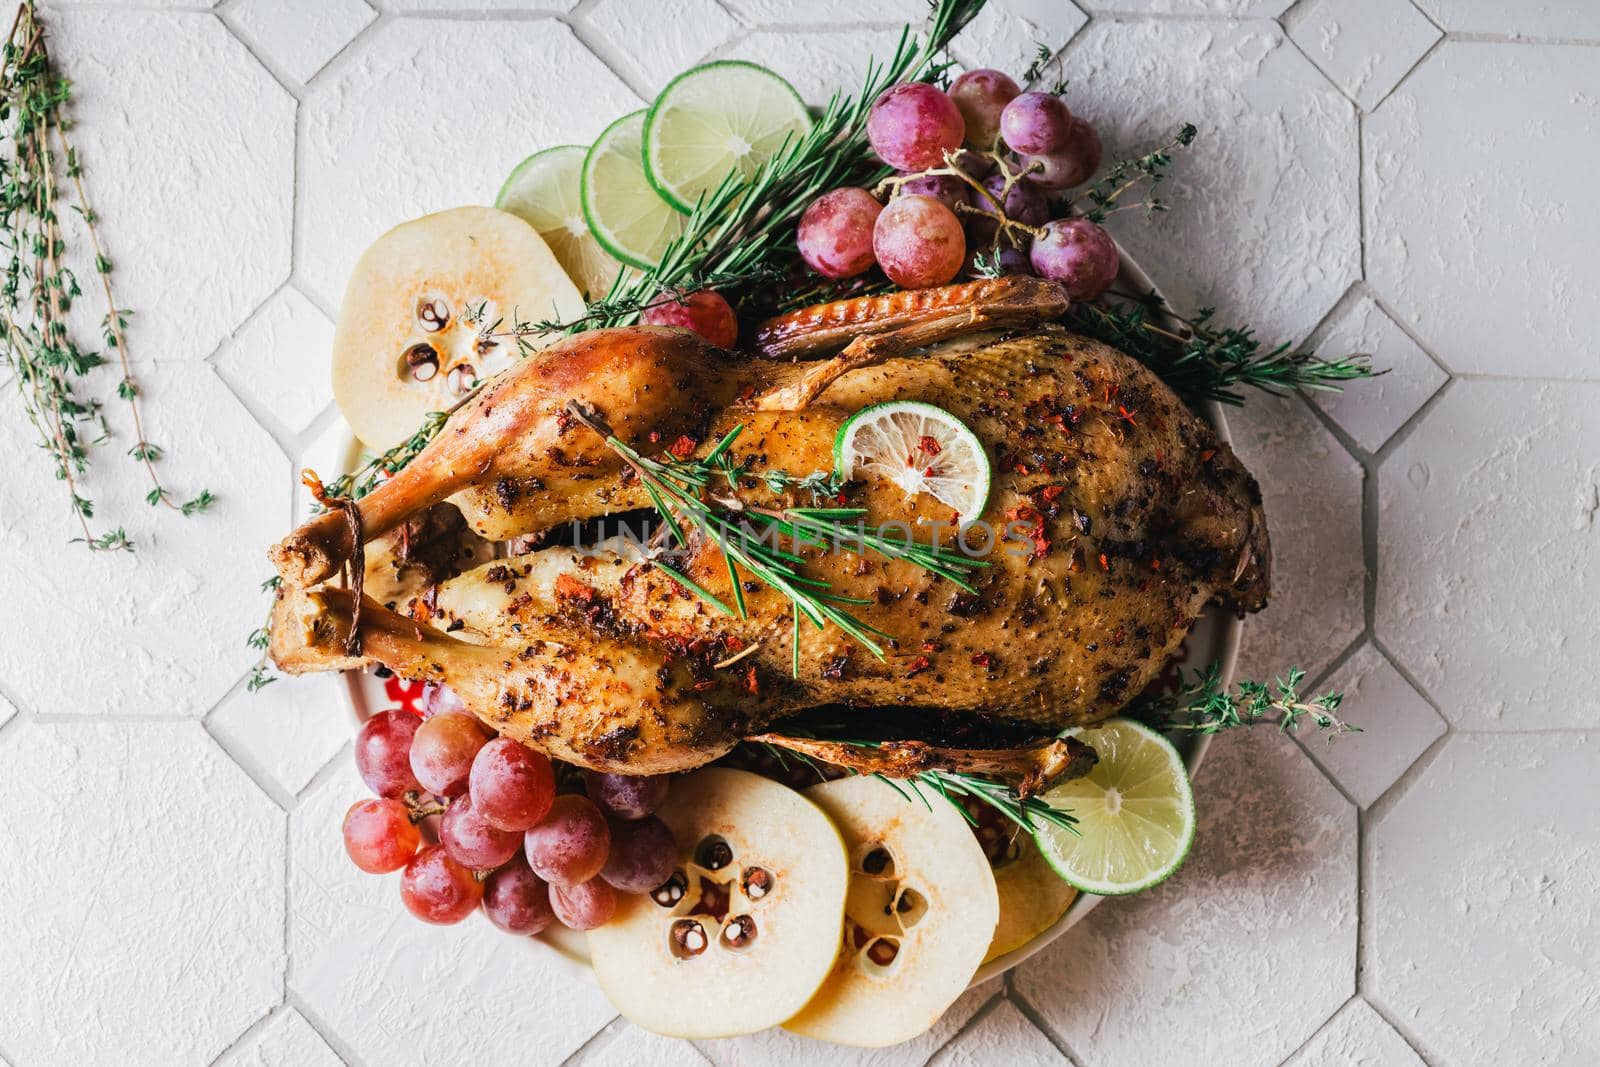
column 1214, row 639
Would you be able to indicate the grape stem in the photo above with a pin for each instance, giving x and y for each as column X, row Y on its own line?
column 952, row 168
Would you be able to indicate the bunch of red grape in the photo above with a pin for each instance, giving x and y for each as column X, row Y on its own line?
column 507, row 840
column 982, row 169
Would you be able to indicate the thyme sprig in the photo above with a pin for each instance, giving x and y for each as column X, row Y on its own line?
column 1204, row 705
column 37, row 290
column 1030, row 813
column 1205, row 361
column 1124, row 175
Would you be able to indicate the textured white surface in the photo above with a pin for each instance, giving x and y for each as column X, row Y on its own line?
column 1356, row 1037
column 1478, row 230
column 1312, row 490
column 1483, row 939
column 1488, row 516
column 150, row 876
column 1397, row 725
column 143, row 879
column 1364, row 46
column 1265, row 905
column 1373, row 411
column 300, row 36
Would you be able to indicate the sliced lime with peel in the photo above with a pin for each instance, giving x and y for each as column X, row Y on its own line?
column 625, row 214
column 543, row 191
column 1135, row 813
column 919, row 447
column 714, row 120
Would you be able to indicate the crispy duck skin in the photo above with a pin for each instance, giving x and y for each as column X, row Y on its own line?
column 1127, row 517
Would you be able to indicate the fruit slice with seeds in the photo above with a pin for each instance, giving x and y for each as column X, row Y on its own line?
column 746, row 929
column 920, row 915
column 920, row 448
column 715, row 120
column 1135, row 813
column 543, row 191
column 625, row 214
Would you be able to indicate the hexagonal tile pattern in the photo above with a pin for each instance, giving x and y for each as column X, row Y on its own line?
column 202, row 198
column 287, row 1040
column 1466, row 197
column 1312, row 490
column 1356, row 1037
column 817, row 62
column 780, row 1046
column 7, row 710
column 519, row 6
column 369, row 971
column 150, row 872
column 1268, row 9
column 1397, row 725
column 279, row 361
column 680, row 35
column 1371, row 411
column 287, row 730
column 1263, row 222
column 332, row 452
column 1515, row 20
column 1483, row 892
column 829, row 12
column 392, row 130
column 1004, row 1035
column 1364, row 46
column 1488, row 513
column 622, row 1044
column 1266, row 903
column 160, row 631
column 1007, row 34
column 300, row 36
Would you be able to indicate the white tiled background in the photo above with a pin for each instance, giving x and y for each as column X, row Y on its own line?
column 1413, row 179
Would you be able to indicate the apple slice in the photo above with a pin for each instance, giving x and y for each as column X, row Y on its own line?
column 920, row 915
column 414, row 331
column 1032, row 895
column 748, row 926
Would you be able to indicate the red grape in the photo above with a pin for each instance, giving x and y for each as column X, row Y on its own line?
column 980, row 95
column 704, row 312
column 918, row 242
column 1035, row 123
column 912, row 126
column 945, row 188
column 517, row 900
column 442, row 752
column 835, row 235
column 437, row 889
column 1073, row 164
column 379, row 836
column 511, row 784
column 1078, row 254
column 1025, row 203
column 471, row 841
column 642, row 855
column 571, row 844
column 584, row 906
column 627, row 796
column 383, row 753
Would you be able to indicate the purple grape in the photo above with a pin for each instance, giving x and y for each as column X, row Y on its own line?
column 627, row 796
column 1035, row 123
column 1078, row 254
column 981, row 95
column 470, row 840
column 1074, row 164
column 571, row 844
column 383, row 753
column 1015, row 260
column 517, row 900
column 1025, row 203
column 945, row 188
column 642, row 855
column 913, row 124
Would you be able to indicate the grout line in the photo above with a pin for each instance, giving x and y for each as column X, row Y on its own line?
column 328, row 1034
column 1423, row 12
column 254, row 1028
column 1409, row 74
column 1034, row 1016
column 983, row 1011
column 599, row 1040
column 1411, row 1042
column 1301, row 1047
column 230, row 24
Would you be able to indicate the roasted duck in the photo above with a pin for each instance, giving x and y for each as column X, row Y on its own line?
column 1127, row 517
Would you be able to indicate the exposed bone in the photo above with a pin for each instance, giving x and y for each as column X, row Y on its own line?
column 1031, row 770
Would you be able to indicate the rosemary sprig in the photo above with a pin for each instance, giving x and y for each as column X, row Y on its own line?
column 37, row 289
column 1205, row 361
column 1203, row 705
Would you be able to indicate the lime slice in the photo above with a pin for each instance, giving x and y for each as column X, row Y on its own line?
column 1135, row 813
column 920, row 448
column 543, row 192
column 716, row 119
column 624, row 213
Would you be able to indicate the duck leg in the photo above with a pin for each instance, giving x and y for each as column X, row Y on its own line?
column 1031, row 770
